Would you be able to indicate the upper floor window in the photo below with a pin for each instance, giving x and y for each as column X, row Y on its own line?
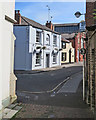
column 38, row 36
column 63, row 45
column 54, row 40
column 48, row 39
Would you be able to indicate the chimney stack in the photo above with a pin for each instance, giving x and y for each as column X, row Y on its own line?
column 49, row 25
column 18, row 16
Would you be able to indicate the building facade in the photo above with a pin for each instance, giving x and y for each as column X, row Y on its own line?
column 7, row 77
column 36, row 46
column 77, row 43
column 67, row 53
column 70, row 27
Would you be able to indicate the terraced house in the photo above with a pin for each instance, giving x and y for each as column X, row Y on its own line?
column 68, row 52
column 36, row 46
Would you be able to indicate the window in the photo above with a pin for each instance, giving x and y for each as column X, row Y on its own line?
column 38, row 58
column 81, row 43
column 38, row 37
column 54, row 58
column 63, row 45
column 48, row 39
column 54, row 40
column 64, row 56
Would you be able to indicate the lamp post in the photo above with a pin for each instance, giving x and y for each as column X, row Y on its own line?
column 78, row 14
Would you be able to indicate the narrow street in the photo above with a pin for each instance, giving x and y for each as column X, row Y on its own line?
column 39, row 99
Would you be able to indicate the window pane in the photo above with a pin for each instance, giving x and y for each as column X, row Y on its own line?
column 38, row 35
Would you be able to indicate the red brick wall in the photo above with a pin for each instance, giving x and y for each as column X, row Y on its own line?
column 90, row 6
column 78, row 47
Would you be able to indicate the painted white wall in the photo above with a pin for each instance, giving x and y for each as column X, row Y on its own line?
column 66, row 50
column 1, row 59
column 25, row 58
column 6, row 55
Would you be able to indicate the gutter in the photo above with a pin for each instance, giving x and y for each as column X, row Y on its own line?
column 10, row 19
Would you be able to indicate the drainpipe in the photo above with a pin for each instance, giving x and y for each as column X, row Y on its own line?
column 43, row 49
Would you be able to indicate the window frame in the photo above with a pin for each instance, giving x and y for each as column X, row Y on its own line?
column 39, row 37
column 48, row 37
column 36, row 63
column 55, row 55
column 63, row 46
column 55, row 43
column 64, row 56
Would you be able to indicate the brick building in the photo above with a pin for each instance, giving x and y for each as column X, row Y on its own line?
column 90, row 66
column 77, row 43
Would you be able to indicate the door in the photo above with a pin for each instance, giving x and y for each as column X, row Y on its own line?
column 69, row 56
column 47, row 60
column 78, row 55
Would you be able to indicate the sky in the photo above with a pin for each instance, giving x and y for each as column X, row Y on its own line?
column 62, row 12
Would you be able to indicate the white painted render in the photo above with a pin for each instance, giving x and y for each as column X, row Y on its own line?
column 25, row 45
column 7, row 77
column 66, row 50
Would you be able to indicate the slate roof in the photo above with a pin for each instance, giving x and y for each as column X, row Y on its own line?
column 68, row 36
column 27, row 21
column 64, row 39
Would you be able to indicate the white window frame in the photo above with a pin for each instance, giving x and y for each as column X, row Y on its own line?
column 38, row 37
column 54, row 57
column 38, row 59
column 48, row 39
column 81, row 43
column 54, row 40
column 64, row 56
column 63, row 45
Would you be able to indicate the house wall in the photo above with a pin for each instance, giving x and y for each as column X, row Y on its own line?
column 33, row 45
column 1, row 50
column 22, row 56
column 78, row 40
column 7, row 77
column 48, row 50
column 25, row 45
column 90, row 6
column 66, row 50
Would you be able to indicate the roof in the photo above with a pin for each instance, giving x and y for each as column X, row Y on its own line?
column 64, row 39
column 68, row 36
column 27, row 21
column 67, row 24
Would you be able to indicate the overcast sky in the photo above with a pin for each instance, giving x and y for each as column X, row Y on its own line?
column 62, row 12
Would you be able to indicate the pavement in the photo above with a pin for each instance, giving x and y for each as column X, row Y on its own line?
column 64, row 102
column 48, row 69
column 11, row 111
column 58, row 105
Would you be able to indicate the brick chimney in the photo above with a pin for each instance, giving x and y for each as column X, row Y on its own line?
column 18, row 16
column 50, row 25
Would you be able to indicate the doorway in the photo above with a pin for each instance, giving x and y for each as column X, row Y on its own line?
column 47, row 60
column 69, row 56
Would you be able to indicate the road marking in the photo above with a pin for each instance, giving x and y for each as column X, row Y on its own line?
column 64, row 81
column 46, row 91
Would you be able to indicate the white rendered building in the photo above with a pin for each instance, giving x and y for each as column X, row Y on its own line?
column 36, row 46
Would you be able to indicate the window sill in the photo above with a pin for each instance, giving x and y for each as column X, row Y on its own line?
column 54, row 62
column 37, row 65
column 38, row 43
